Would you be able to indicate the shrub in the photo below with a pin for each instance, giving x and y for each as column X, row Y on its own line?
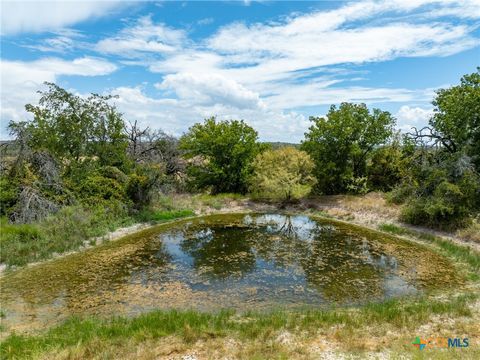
column 401, row 193
column 97, row 187
column 282, row 174
column 142, row 183
column 115, row 173
column 444, row 209
column 8, row 194
column 357, row 185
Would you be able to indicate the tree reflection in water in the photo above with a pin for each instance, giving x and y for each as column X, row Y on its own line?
column 220, row 252
column 336, row 265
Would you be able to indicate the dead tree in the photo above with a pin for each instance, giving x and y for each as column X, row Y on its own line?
column 154, row 146
column 32, row 206
column 428, row 136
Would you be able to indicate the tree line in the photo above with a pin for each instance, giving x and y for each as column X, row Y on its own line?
column 81, row 151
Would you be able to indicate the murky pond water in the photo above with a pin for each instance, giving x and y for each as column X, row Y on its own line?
column 242, row 261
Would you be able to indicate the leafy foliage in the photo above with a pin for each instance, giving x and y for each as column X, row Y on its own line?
column 221, row 154
column 442, row 188
column 72, row 127
column 142, row 183
column 457, row 116
column 340, row 143
column 282, row 174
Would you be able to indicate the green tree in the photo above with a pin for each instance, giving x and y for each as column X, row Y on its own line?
column 282, row 174
column 340, row 143
column 442, row 188
column 72, row 127
column 388, row 165
column 456, row 118
column 221, row 154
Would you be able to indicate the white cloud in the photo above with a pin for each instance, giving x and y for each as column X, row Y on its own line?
column 408, row 116
column 62, row 41
column 37, row 16
column 279, row 49
column 210, row 89
column 20, row 80
column 267, row 58
column 176, row 115
column 318, row 94
column 468, row 9
column 143, row 37
column 206, row 21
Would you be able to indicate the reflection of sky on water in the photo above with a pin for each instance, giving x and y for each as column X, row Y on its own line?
column 240, row 261
column 293, row 255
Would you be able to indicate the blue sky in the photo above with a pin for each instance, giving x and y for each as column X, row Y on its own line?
column 273, row 64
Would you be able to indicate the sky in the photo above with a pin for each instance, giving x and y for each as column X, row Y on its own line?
column 272, row 64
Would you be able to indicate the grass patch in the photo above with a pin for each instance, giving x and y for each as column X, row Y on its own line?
column 472, row 232
column 217, row 201
column 159, row 216
column 68, row 230
column 192, row 326
column 65, row 231
column 460, row 253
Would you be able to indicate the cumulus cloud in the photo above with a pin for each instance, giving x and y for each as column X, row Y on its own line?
column 176, row 115
column 210, row 89
column 37, row 16
column 22, row 79
column 408, row 116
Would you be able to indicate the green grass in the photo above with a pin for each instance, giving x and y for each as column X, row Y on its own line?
column 65, row 231
column 217, row 201
column 191, row 326
column 159, row 216
column 460, row 253
column 68, row 230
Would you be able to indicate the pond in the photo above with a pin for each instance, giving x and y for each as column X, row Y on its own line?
column 241, row 261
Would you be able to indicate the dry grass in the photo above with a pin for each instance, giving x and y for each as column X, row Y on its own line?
column 371, row 209
column 471, row 233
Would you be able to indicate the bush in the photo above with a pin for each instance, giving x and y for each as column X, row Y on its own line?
column 115, row 173
column 400, row 193
column 444, row 209
column 97, row 187
column 385, row 167
column 282, row 174
column 357, row 185
column 142, row 184
column 8, row 194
